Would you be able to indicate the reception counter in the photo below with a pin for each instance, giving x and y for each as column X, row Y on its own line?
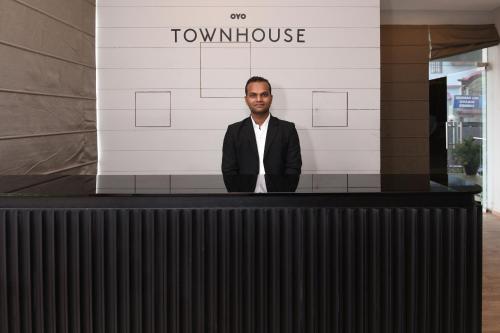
column 317, row 253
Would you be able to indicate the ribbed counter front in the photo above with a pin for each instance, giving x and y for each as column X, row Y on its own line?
column 344, row 253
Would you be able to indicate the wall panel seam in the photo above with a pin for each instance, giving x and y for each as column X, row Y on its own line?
column 401, row 64
column 249, row 6
column 217, row 150
column 227, row 27
column 404, row 100
column 259, row 47
column 412, row 119
column 386, row 136
column 404, row 63
column 405, row 45
column 235, row 109
column 237, row 68
column 159, row 88
column 403, row 156
column 409, row 82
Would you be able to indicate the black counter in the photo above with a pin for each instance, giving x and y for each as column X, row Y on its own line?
column 320, row 253
column 212, row 191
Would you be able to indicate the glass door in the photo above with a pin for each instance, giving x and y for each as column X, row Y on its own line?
column 466, row 113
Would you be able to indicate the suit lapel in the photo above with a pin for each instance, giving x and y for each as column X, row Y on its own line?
column 249, row 133
column 271, row 133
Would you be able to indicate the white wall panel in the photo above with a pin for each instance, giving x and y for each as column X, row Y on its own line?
column 284, row 99
column 340, row 160
column 147, row 58
column 315, row 58
column 337, row 53
column 122, row 119
column 261, row 58
column 225, row 56
column 314, row 78
column 224, row 3
column 225, row 78
column 209, row 17
column 175, row 140
column 161, row 162
column 162, row 37
column 203, row 140
column 188, row 162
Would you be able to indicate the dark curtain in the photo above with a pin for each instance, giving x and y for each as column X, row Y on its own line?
column 449, row 40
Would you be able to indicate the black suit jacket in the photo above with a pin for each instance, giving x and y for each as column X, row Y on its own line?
column 281, row 151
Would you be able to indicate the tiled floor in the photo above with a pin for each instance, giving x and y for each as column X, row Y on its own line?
column 491, row 273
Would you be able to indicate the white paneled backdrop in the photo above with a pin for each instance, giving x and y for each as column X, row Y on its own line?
column 165, row 101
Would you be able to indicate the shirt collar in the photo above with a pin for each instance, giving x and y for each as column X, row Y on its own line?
column 264, row 124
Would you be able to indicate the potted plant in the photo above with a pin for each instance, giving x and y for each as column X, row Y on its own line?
column 468, row 153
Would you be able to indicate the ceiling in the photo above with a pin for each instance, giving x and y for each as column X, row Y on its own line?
column 448, row 5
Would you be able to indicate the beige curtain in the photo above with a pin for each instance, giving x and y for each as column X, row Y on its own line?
column 47, row 87
column 449, row 40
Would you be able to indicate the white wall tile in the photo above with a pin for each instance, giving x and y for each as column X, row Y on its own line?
column 330, row 109
column 152, row 109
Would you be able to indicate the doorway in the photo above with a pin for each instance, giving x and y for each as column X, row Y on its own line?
column 465, row 124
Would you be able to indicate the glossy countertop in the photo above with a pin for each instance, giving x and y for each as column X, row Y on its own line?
column 165, row 185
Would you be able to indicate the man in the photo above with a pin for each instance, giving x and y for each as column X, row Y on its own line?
column 261, row 144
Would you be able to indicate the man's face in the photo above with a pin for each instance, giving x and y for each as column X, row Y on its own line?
column 258, row 97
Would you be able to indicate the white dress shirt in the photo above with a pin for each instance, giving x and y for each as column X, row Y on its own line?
column 260, row 137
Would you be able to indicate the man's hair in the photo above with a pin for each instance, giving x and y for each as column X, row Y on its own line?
column 257, row 79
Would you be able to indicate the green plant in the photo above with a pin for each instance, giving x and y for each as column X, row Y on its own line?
column 468, row 153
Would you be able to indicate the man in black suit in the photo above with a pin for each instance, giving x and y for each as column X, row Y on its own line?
column 261, row 144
